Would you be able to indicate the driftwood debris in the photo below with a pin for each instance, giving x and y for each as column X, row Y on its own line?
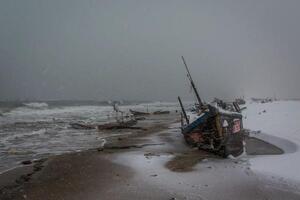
column 82, row 126
column 140, row 118
column 108, row 126
column 119, row 125
column 138, row 113
column 132, row 146
column 160, row 112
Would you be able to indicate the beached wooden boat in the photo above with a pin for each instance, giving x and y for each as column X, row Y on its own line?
column 138, row 113
column 216, row 130
column 211, row 127
column 82, row 126
column 117, row 125
column 111, row 125
column 160, row 112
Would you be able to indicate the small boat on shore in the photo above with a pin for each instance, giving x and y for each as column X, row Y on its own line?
column 82, row 126
column 161, row 112
column 111, row 125
column 138, row 113
column 118, row 125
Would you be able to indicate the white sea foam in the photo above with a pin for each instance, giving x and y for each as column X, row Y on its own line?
column 36, row 105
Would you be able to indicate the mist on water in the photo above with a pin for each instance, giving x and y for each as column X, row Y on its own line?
column 103, row 50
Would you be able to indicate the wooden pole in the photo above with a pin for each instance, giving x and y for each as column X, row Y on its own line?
column 183, row 111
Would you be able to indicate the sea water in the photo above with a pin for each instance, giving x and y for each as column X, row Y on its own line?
column 35, row 130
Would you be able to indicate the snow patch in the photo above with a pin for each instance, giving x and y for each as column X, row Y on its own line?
column 279, row 119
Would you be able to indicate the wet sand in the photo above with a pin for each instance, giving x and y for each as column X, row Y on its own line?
column 151, row 164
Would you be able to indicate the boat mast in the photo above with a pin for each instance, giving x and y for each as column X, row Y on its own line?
column 183, row 111
column 192, row 83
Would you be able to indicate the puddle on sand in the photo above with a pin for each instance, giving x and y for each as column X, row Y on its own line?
column 186, row 161
column 255, row 146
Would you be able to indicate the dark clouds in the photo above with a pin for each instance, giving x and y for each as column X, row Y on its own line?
column 131, row 49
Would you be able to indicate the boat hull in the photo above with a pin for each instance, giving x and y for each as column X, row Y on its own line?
column 215, row 131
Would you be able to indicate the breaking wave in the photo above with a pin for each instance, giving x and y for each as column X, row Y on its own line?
column 36, row 105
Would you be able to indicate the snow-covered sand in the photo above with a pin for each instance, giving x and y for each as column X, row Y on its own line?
column 282, row 120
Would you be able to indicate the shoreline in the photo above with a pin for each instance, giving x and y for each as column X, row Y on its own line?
column 151, row 164
column 14, row 178
column 115, row 134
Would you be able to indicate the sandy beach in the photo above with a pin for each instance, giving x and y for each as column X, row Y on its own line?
column 149, row 100
column 154, row 163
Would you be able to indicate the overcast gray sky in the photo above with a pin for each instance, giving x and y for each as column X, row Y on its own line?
column 123, row 49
